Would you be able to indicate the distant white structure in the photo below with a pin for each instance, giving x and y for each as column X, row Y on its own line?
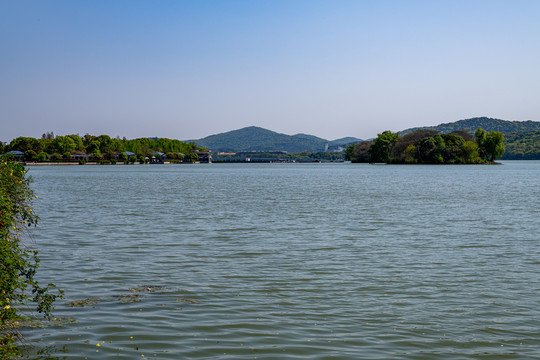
column 333, row 148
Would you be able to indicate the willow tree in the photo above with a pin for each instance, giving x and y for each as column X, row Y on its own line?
column 494, row 145
column 490, row 145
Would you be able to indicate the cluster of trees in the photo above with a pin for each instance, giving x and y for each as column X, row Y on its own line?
column 100, row 147
column 429, row 147
column 18, row 263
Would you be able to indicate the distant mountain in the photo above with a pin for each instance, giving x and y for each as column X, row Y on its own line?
column 345, row 141
column 488, row 124
column 254, row 138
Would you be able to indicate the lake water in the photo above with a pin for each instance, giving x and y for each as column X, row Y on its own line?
column 296, row 261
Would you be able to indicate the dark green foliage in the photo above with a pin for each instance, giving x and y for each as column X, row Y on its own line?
column 446, row 149
column 30, row 155
column 192, row 157
column 490, row 145
column 42, row 156
column 109, row 154
column 453, row 148
column 96, row 155
column 349, row 151
column 494, row 145
column 102, row 146
column 401, row 152
column 18, row 263
column 427, row 147
column 106, row 144
column 91, row 144
column 381, row 147
column 470, row 152
column 26, row 143
column 480, row 138
column 150, row 146
column 56, row 157
column 63, row 144
column 123, row 157
column 361, row 152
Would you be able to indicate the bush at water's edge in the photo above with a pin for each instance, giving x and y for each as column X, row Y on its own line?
column 18, row 263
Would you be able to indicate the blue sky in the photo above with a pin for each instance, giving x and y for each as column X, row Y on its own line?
column 189, row 69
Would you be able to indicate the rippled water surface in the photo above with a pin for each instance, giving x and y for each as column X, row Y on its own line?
column 296, row 261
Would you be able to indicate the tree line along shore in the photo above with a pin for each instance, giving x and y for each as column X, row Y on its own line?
column 101, row 149
column 418, row 147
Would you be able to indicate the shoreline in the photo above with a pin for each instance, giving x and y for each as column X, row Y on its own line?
column 70, row 163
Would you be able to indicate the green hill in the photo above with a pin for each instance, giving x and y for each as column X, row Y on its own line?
column 254, row 138
column 522, row 146
column 488, row 124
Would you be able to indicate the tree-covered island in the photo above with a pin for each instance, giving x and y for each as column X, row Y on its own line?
column 430, row 147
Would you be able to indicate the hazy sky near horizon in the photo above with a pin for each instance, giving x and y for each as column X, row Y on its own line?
column 335, row 68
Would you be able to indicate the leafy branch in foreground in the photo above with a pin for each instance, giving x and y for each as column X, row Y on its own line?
column 18, row 263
